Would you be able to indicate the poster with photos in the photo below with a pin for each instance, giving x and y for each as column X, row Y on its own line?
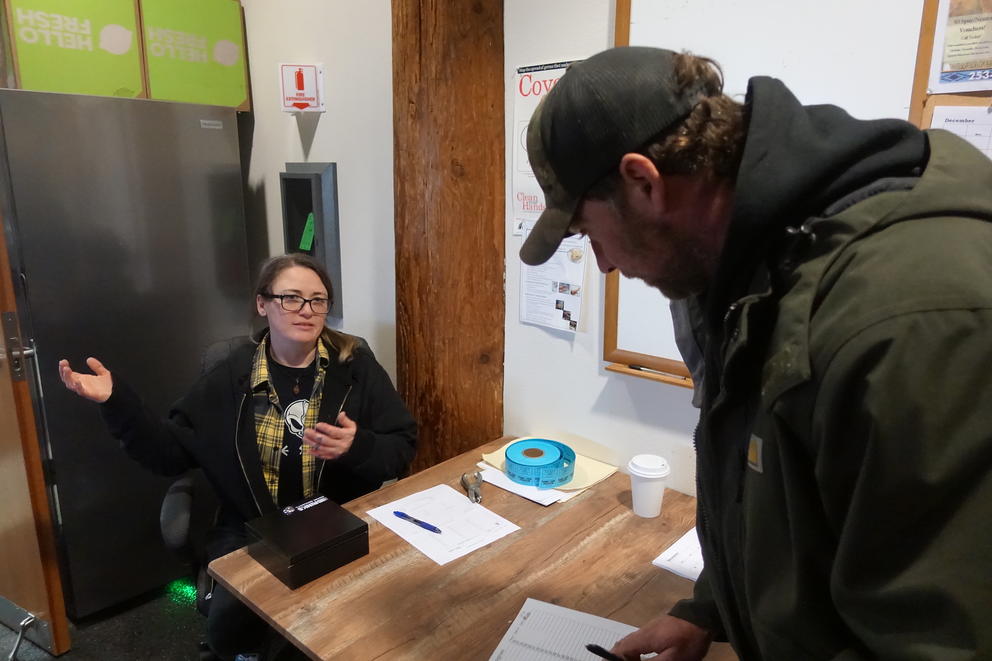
column 551, row 293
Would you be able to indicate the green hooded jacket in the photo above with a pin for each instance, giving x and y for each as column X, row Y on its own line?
column 845, row 442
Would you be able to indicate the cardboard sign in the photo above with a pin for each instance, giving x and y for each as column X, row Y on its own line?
column 77, row 46
column 195, row 51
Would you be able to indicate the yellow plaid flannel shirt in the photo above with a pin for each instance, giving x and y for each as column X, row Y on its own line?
column 269, row 425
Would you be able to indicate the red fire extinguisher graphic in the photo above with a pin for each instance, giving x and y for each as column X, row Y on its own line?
column 299, row 80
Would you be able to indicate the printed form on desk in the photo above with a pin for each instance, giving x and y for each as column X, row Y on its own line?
column 684, row 557
column 546, row 632
column 465, row 526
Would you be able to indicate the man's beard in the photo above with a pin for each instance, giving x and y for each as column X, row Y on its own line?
column 682, row 277
column 684, row 272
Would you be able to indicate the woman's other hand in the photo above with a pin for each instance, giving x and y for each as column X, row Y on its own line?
column 95, row 387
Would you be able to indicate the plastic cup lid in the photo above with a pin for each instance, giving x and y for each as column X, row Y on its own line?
column 649, row 465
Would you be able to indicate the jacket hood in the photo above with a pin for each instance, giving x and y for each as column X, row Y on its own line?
column 956, row 182
column 796, row 161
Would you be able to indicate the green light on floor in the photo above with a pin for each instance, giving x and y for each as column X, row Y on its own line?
column 182, row 591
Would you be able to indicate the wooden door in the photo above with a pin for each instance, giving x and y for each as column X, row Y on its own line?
column 29, row 576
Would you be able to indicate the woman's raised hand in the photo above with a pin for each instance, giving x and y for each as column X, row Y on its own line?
column 95, row 387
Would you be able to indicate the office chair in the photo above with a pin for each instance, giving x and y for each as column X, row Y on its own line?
column 189, row 507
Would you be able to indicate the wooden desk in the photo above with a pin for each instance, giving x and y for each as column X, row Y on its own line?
column 590, row 553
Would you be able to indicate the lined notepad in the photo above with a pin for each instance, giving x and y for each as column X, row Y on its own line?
column 548, row 632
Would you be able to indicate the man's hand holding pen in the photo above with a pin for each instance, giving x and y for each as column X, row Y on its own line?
column 326, row 441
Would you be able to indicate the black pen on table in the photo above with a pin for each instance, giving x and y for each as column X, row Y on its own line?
column 600, row 652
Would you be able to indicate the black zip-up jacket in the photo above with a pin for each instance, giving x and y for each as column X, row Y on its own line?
column 213, row 428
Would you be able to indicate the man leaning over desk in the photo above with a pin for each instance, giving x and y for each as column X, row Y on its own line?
column 842, row 270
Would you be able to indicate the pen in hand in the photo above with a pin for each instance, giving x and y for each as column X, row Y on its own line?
column 418, row 522
column 606, row 654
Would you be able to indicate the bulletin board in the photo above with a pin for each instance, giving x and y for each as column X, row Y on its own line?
column 860, row 56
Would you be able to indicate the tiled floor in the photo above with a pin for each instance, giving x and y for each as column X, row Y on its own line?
column 163, row 626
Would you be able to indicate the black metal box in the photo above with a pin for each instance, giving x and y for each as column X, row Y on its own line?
column 307, row 540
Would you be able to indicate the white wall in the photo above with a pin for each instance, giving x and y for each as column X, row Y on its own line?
column 354, row 42
column 555, row 383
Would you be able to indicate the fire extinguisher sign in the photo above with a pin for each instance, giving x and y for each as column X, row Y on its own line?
column 302, row 87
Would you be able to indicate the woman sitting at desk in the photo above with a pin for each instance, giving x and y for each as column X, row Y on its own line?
column 304, row 411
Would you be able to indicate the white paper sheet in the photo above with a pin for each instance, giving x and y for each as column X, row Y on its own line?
column 546, row 632
column 465, row 526
column 543, row 496
column 684, row 557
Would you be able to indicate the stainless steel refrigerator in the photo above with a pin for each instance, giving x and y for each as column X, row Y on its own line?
column 126, row 236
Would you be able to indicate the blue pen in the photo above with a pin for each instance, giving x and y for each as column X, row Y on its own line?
column 422, row 524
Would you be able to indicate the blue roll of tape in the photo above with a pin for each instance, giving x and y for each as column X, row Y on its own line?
column 540, row 462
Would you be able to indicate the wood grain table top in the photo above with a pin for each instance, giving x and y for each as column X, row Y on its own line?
column 590, row 553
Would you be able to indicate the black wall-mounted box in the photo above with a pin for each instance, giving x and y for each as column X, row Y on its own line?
column 306, row 541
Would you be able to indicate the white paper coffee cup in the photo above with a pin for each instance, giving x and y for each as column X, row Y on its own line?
column 647, row 483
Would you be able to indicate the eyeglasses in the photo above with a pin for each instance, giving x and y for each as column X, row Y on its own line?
column 294, row 303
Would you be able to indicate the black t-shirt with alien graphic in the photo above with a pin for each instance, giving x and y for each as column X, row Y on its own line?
column 293, row 386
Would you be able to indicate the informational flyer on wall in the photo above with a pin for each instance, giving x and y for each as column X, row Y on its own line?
column 962, row 47
column 551, row 294
column 530, row 86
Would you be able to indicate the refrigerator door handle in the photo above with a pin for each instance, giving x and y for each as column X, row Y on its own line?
column 19, row 356
column 12, row 343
